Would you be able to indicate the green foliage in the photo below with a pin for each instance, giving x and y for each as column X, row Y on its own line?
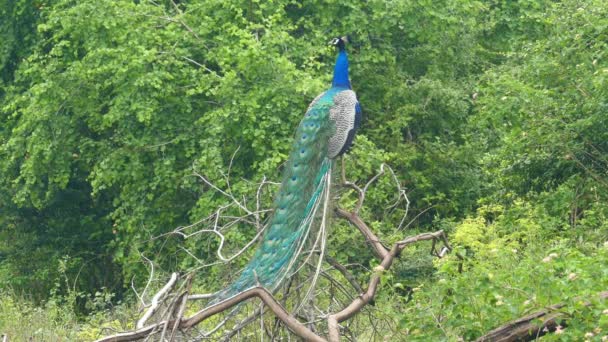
column 57, row 319
column 491, row 113
column 508, row 274
column 54, row 320
column 546, row 105
column 18, row 20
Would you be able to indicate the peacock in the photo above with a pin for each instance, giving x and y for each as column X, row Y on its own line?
column 325, row 133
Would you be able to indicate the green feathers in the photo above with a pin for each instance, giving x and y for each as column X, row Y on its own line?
column 304, row 187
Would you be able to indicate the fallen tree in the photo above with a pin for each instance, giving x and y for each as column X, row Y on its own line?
column 532, row 326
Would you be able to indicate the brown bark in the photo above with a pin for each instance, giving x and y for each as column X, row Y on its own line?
column 359, row 302
column 370, row 237
column 351, row 279
column 385, row 255
column 531, row 326
column 292, row 323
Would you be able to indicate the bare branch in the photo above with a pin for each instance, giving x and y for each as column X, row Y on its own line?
column 230, row 196
column 201, row 296
column 293, row 324
column 351, row 279
column 363, row 191
column 348, row 184
column 258, row 312
column 370, row 237
column 359, row 302
column 401, row 194
column 182, row 300
column 179, row 11
column 143, row 293
column 527, row 328
column 303, row 303
column 415, row 217
column 156, row 300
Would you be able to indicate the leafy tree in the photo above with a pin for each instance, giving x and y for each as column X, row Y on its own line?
column 492, row 114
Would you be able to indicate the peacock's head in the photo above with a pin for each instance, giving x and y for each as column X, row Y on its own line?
column 339, row 42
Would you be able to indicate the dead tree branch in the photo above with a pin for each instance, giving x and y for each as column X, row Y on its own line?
column 370, row 237
column 172, row 320
column 293, row 324
column 361, row 301
column 156, row 300
column 531, row 326
column 258, row 312
column 351, row 279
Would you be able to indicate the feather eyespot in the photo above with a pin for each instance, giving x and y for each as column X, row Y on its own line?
column 302, row 151
column 294, row 178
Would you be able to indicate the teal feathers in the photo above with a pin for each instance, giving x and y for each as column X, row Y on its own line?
column 299, row 196
column 301, row 203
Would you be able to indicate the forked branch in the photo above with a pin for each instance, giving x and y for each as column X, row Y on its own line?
column 358, row 303
column 292, row 323
column 173, row 320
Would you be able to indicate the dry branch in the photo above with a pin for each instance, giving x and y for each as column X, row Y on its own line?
column 237, row 328
column 182, row 301
column 351, row 279
column 173, row 319
column 529, row 328
column 293, row 324
column 157, row 300
column 370, row 237
column 361, row 301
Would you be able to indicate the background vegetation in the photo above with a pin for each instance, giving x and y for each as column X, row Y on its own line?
column 493, row 114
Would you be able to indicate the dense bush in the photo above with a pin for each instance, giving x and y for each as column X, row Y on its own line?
column 493, row 115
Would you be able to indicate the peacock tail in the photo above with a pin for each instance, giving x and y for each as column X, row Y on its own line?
column 325, row 132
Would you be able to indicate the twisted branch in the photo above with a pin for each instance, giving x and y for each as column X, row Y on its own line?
column 361, row 301
column 173, row 319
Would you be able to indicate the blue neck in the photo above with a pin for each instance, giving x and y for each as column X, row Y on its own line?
column 341, row 71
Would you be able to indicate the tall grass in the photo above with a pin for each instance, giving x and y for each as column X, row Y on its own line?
column 56, row 319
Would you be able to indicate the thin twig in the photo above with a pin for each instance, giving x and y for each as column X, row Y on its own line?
column 351, row 279
column 143, row 293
